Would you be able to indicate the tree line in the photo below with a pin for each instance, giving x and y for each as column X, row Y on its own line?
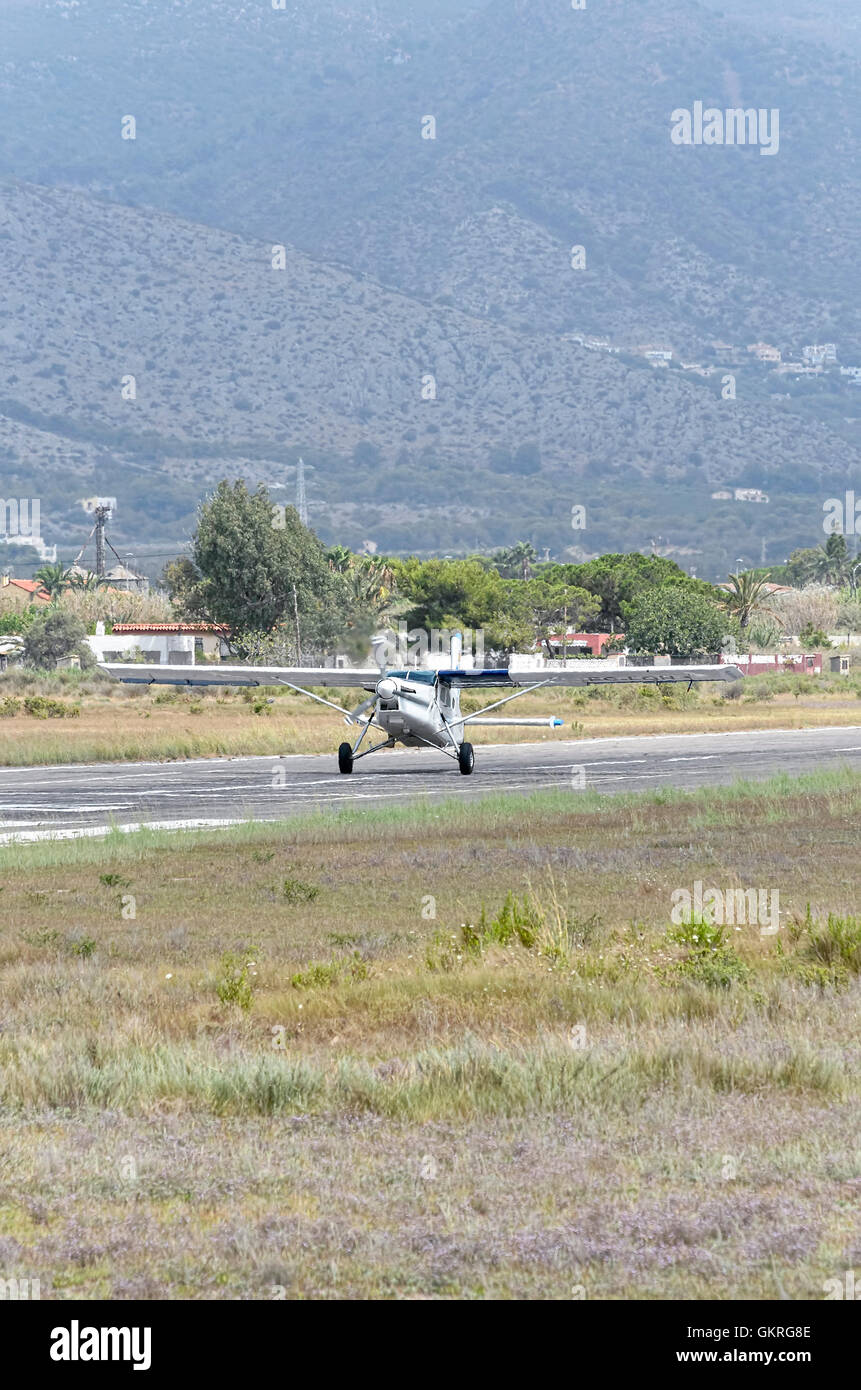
column 288, row 599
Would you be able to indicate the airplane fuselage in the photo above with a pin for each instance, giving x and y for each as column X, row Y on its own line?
column 413, row 709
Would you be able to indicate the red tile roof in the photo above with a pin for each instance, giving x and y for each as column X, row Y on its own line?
column 154, row 628
column 31, row 586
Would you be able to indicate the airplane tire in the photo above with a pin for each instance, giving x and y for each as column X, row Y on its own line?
column 466, row 758
column 345, row 758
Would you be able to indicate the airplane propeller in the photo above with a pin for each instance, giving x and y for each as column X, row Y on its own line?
column 380, row 648
column 354, row 715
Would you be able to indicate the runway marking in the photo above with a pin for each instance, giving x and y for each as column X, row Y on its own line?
column 694, row 758
column 217, row 789
column 502, row 768
column 202, row 823
column 65, row 810
column 495, row 748
column 99, row 831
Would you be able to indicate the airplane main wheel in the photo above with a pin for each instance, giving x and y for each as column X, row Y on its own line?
column 345, row 758
column 466, row 758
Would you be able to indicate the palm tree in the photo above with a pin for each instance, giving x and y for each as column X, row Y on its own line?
column 516, row 558
column 53, row 578
column 88, row 583
column 832, row 560
column 744, row 597
column 340, row 558
column 372, row 582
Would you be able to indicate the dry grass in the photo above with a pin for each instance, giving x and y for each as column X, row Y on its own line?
column 392, row 1110
column 116, row 723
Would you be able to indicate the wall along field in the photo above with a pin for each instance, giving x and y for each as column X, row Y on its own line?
column 440, row 1052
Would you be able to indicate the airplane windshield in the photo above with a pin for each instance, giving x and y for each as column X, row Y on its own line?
column 422, row 677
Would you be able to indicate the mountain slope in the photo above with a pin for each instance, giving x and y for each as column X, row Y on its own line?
column 237, row 365
column 305, row 126
column 417, row 348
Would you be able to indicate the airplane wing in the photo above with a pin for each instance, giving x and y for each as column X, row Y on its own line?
column 589, row 673
column 338, row 678
column 138, row 673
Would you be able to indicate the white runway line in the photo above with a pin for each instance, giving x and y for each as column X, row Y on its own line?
column 503, row 768
column 494, row 748
column 212, row 823
column 99, row 831
column 694, row 758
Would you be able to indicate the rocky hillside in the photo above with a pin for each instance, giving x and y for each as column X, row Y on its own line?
column 417, row 346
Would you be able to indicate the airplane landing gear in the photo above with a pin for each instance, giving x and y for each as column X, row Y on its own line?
column 466, row 758
column 345, row 758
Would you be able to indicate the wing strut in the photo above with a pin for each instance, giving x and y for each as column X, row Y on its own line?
column 525, row 691
column 301, row 690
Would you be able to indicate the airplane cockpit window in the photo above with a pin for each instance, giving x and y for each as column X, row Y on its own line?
column 421, row 677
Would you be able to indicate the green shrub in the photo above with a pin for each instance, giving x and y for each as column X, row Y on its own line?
column 756, row 694
column 317, row 976
column 516, row 921
column 837, row 941
column 446, row 950
column 709, row 961
column 46, row 936
column 719, row 968
column 43, row 707
column 233, row 985
column 817, row 976
column 698, row 934
column 295, row 891
column 333, row 972
column 542, row 925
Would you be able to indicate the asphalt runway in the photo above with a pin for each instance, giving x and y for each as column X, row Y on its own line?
column 59, row 802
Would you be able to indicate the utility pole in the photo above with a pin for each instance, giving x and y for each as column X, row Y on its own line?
column 301, row 500
column 298, row 633
column 101, row 514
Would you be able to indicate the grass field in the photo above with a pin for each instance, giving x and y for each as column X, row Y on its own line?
column 77, row 719
column 335, row 1059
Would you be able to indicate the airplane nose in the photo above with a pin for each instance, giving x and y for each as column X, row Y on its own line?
column 387, row 689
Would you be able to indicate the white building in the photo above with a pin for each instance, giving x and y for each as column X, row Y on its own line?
column 819, row 354
column 160, row 644
column 749, row 494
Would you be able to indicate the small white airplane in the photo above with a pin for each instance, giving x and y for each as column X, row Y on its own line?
column 415, row 707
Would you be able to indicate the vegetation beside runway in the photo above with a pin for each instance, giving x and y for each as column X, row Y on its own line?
column 66, row 717
column 451, row 1050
